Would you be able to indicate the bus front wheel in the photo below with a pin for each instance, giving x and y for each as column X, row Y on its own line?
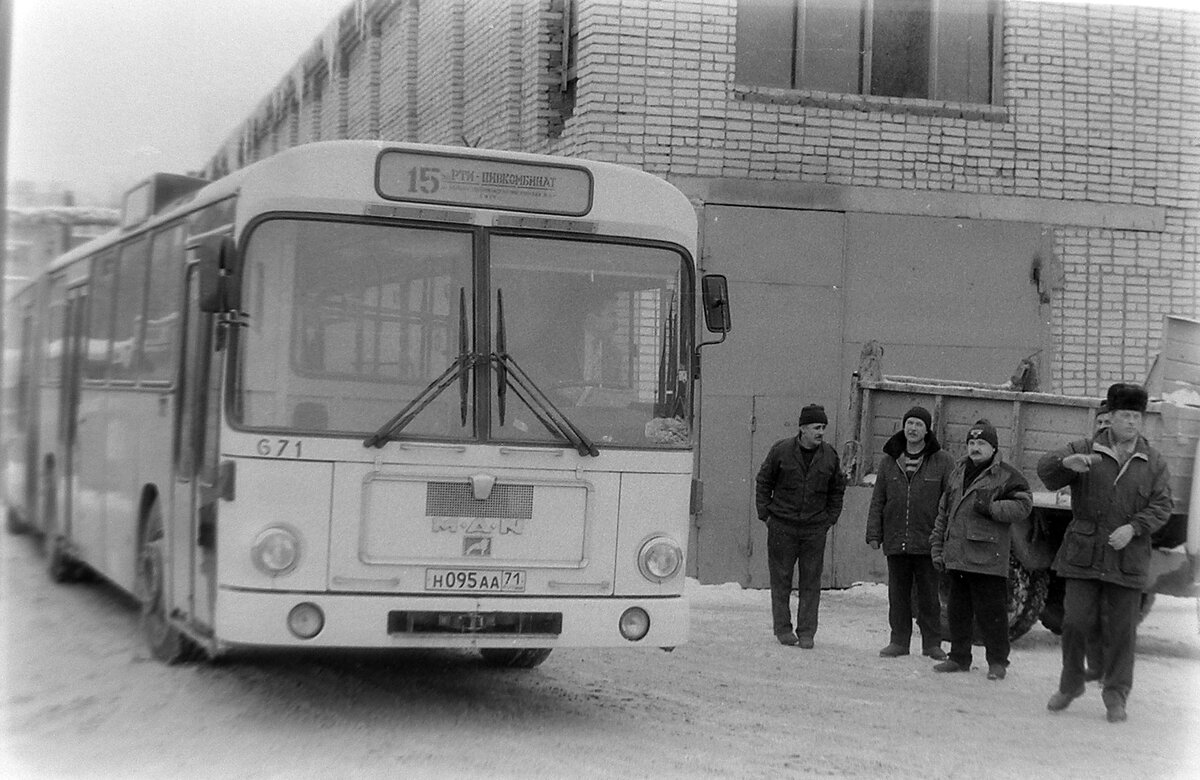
column 518, row 658
column 165, row 641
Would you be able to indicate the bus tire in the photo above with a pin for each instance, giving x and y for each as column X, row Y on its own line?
column 60, row 564
column 163, row 639
column 12, row 522
column 515, row 658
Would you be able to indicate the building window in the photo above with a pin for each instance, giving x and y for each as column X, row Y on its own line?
column 931, row 49
column 562, row 101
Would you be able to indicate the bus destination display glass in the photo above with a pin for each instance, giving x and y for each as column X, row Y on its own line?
column 484, row 183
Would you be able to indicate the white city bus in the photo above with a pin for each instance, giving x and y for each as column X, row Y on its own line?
column 366, row 394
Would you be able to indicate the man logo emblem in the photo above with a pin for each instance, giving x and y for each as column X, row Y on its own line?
column 477, row 546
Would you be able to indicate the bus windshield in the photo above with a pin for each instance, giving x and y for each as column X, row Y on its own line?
column 350, row 322
column 596, row 326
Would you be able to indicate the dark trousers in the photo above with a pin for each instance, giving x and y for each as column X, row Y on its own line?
column 978, row 599
column 906, row 572
column 1093, row 607
column 788, row 546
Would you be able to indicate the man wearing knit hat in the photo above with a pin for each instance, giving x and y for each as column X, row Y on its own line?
column 798, row 494
column 912, row 475
column 971, row 542
column 1120, row 495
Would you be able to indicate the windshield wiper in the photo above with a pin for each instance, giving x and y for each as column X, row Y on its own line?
column 459, row 368
column 510, row 374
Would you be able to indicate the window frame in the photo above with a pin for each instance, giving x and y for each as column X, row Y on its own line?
column 866, row 58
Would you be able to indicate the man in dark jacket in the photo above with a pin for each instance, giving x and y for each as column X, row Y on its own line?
column 910, row 480
column 1120, row 495
column 798, row 493
column 972, row 539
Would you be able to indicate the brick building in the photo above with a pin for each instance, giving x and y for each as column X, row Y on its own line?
column 969, row 186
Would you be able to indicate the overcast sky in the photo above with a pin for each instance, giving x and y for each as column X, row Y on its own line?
column 104, row 92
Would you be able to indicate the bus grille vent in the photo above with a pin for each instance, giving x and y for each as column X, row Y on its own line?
column 455, row 499
column 510, row 623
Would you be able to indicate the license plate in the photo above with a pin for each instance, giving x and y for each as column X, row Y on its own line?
column 476, row 580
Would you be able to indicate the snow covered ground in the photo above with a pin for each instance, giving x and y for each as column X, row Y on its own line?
column 82, row 699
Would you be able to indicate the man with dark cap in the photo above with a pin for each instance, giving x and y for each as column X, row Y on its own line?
column 971, row 542
column 1103, row 417
column 912, row 475
column 1120, row 495
column 798, row 494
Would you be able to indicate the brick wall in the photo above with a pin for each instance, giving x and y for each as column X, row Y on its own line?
column 1100, row 109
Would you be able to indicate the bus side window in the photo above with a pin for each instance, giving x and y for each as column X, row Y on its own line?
column 98, row 338
column 130, row 295
column 52, row 354
column 25, row 374
column 160, row 326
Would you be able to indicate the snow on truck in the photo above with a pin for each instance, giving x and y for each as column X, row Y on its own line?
column 1029, row 424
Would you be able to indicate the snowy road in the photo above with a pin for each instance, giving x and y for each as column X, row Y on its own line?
column 82, row 698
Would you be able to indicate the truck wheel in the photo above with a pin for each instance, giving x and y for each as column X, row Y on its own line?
column 1052, row 611
column 1147, row 605
column 525, row 658
column 1026, row 597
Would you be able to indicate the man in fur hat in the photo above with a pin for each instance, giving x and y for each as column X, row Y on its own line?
column 912, row 475
column 798, row 494
column 1120, row 495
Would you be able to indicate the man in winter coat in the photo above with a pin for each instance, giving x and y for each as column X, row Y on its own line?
column 910, row 480
column 971, row 541
column 798, row 494
column 1120, row 495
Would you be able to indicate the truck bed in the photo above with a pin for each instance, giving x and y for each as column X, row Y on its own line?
column 1028, row 425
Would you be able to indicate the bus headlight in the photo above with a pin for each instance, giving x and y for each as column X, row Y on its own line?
column 275, row 551
column 660, row 559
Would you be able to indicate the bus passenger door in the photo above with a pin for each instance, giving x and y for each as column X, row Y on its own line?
column 90, row 459
column 24, row 419
column 191, row 534
column 73, row 323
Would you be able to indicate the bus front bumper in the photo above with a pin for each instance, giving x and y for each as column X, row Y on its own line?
column 280, row 619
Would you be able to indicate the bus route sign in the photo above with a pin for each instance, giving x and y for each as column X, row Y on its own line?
column 484, row 182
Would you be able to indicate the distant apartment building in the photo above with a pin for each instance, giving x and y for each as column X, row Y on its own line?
column 967, row 183
column 41, row 225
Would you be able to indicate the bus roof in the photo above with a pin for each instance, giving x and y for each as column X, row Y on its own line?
column 341, row 177
column 318, row 176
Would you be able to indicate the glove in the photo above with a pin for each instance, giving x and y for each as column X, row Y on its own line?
column 1081, row 462
column 874, row 544
column 939, row 563
column 983, row 501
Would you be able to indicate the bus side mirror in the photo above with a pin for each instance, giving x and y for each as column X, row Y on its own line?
column 714, row 290
column 220, row 282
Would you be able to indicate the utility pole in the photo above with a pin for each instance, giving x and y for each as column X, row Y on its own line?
column 5, row 71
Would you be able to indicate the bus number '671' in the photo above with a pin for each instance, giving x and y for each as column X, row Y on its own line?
column 279, row 448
